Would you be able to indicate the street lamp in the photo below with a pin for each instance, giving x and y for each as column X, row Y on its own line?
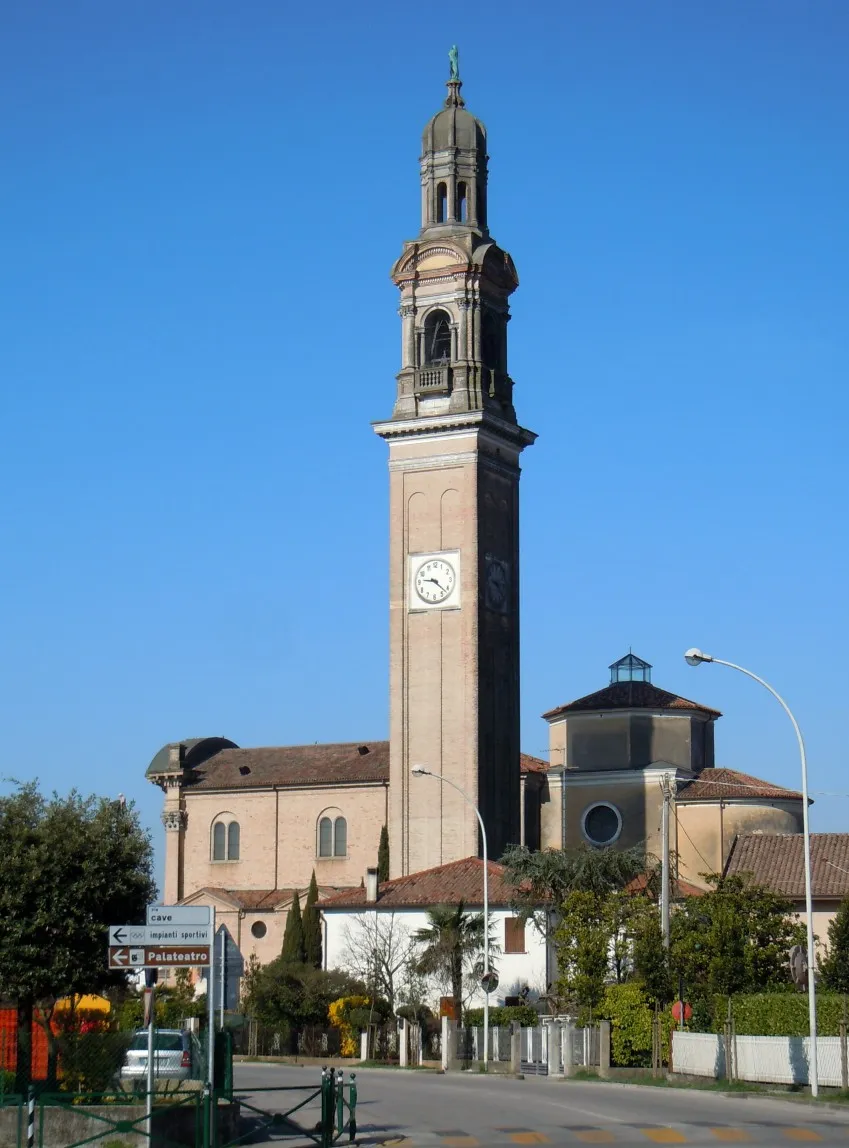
column 420, row 771
column 695, row 657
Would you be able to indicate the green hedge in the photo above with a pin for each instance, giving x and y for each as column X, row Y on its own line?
column 779, row 1014
column 501, row 1016
column 630, row 1014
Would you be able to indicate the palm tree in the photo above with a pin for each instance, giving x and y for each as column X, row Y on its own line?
column 452, row 935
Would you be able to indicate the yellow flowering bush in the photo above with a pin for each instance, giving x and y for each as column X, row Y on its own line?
column 338, row 1013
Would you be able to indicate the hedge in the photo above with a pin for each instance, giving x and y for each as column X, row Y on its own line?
column 503, row 1015
column 779, row 1014
column 630, row 1014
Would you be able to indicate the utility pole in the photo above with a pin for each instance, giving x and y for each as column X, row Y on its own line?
column 664, row 891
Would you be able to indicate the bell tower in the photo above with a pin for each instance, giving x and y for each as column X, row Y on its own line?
column 454, row 446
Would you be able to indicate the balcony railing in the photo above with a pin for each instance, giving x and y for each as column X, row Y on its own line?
column 433, row 380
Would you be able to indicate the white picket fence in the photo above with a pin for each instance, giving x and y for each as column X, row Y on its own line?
column 760, row 1059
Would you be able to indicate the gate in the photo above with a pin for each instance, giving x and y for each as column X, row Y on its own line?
column 337, row 1113
column 534, row 1052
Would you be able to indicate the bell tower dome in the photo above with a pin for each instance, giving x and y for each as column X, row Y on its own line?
column 454, row 446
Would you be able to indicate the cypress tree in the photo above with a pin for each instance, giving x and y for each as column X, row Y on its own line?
column 293, row 937
column 834, row 970
column 383, row 855
column 312, row 926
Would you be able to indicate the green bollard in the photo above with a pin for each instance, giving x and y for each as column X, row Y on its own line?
column 340, row 1103
column 352, row 1108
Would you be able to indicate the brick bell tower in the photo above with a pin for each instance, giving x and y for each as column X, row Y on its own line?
column 454, row 446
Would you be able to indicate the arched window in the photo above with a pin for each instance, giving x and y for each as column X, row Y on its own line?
column 225, row 839
column 332, row 835
column 441, row 203
column 219, row 841
column 340, row 837
column 462, row 203
column 437, row 337
column 325, row 837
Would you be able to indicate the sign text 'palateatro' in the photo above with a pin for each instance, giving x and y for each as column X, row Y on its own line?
column 158, row 956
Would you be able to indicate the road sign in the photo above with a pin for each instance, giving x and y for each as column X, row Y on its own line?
column 124, row 957
column 179, row 915
column 158, row 956
column 127, row 934
column 160, row 934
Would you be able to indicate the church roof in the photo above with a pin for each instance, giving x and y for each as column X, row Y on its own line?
column 338, row 763
column 444, row 885
column 776, row 860
column 256, row 900
column 629, row 696
column 713, row 784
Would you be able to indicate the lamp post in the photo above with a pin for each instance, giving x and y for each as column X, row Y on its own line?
column 695, row 657
column 420, row 771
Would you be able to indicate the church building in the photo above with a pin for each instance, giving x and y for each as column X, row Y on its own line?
column 246, row 827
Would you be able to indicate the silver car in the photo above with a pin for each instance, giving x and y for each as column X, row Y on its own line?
column 174, row 1055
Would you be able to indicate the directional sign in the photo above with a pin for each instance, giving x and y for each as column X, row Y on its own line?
column 179, row 915
column 127, row 934
column 123, row 957
column 160, row 934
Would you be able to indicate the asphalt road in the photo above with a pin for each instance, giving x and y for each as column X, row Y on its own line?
column 410, row 1109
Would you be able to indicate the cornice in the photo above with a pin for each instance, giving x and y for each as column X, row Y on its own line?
column 455, row 423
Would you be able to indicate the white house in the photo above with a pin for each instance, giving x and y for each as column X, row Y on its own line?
column 386, row 916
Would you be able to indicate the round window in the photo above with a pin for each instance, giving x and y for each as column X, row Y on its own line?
column 602, row 823
column 258, row 929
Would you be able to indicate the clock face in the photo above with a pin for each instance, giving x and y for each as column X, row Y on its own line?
column 434, row 580
column 496, row 585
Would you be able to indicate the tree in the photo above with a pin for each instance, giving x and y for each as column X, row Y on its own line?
column 547, row 877
column 582, row 942
column 69, row 867
column 383, row 855
column 294, row 950
column 733, row 939
column 286, row 996
column 452, row 936
column 312, row 926
column 382, row 953
column 834, row 969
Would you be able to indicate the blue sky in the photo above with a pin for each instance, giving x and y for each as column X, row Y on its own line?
column 201, row 204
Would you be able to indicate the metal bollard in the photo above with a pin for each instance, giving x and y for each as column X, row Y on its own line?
column 352, row 1108
column 30, row 1117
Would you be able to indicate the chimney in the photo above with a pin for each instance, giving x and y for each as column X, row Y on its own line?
column 371, row 886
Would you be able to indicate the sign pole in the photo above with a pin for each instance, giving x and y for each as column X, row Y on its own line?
column 210, row 1007
column 150, row 1002
column 222, row 974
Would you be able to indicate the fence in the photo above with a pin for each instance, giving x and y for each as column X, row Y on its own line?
column 255, row 1039
column 558, row 1048
column 761, row 1059
column 470, row 1044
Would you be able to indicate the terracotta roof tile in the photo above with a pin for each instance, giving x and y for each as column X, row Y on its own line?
column 680, row 888
column 257, row 900
column 334, row 764
column 713, row 784
column 444, row 885
column 340, row 763
column 776, row 860
column 627, row 696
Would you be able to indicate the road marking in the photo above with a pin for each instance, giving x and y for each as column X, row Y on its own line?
column 731, row 1134
column 595, row 1135
column 801, row 1134
column 664, row 1135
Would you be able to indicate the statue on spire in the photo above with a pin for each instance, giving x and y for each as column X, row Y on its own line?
column 454, row 60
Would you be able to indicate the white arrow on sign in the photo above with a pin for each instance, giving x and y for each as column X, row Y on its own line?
column 120, row 957
column 127, row 935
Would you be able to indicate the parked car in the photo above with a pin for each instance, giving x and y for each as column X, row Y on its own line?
column 175, row 1055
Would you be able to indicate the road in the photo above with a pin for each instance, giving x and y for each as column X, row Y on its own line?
column 412, row 1109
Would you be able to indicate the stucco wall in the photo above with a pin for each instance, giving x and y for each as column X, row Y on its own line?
column 514, row 970
column 706, row 829
column 278, row 846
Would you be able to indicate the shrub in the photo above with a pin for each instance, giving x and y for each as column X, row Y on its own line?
column 630, row 1014
column 778, row 1014
column 503, row 1015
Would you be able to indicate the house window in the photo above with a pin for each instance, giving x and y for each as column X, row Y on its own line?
column 332, row 836
column 514, row 935
column 225, row 840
